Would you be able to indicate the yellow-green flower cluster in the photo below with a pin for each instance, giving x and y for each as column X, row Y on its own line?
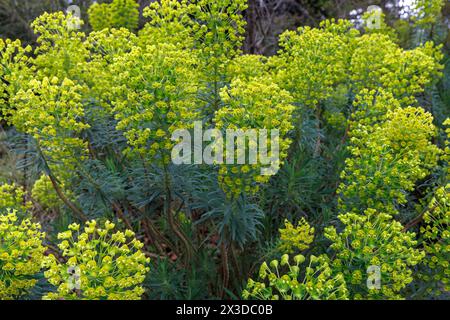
column 15, row 69
column 60, row 51
column 254, row 104
column 370, row 107
column 387, row 157
column 219, row 28
column 103, row 47
column 99, row 16
column 313, row 61
column 50, row 111
column 373, row 239
column 214, row 28
column 21, row 254
column 118, row 14
column 316, row 281
column 13, row 197
column 297, row 238
column 218, row 33
column 436, row 233
column 47, row 100
column 154, row 95
column 170, row 21
column 379, row 62
column 248, row 66
column 100, row 264
column 211, row 30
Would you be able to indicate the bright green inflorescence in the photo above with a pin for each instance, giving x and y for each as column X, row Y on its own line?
column 313, row 61
column 391, row 150
column 212, row 30
column 285, row 279
column 388, row 156
column 13, row 197
column 100, row 264
column 297, row 238
column 14, row 66
column 154, row 95
column 378, row 62
column 315, row 281
column 253, row 105
column 170, row 21
column 60, row 51
column 118, row 14
column 435, row 233
column 373, row 239
column 21, row 255
column 50, row 111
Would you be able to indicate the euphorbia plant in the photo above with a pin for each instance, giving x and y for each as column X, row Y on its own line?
column 99, row 264
column 21, row 254
column 98, row 112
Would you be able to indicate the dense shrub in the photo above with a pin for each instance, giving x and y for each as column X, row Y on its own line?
column 361, row 180
column 21, row 255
